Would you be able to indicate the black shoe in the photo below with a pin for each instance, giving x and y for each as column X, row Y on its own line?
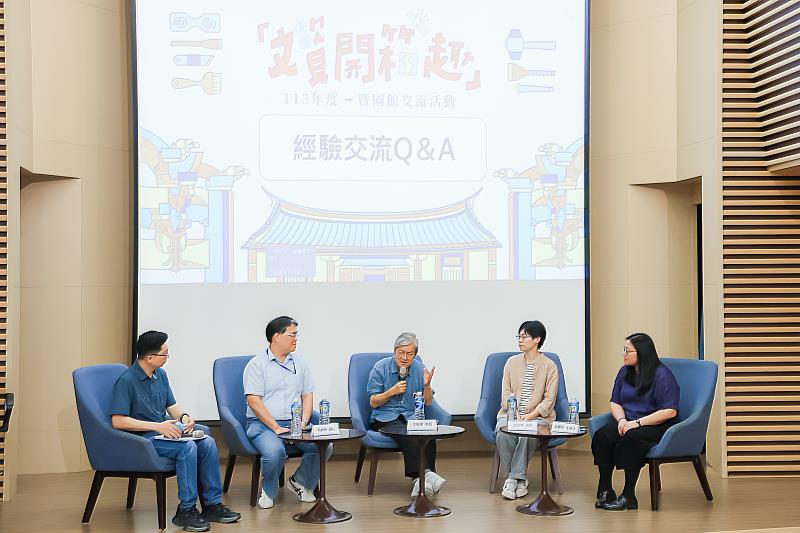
column 622, row 503
column 605, row 496
column 190, row 520
column 218, row 512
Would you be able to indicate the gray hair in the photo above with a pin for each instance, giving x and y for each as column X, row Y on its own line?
column 404, row 339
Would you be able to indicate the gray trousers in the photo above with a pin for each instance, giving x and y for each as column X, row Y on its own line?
column 515, row 452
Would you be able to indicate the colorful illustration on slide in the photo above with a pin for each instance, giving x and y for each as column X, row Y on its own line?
column 299, row 244
column 185, row 213
column 546, row 214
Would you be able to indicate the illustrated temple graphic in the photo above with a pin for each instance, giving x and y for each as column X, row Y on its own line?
column 299, row 243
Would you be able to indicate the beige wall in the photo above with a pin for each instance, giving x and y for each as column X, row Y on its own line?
column 70, row 127
column 654, row 124
column 654, row 97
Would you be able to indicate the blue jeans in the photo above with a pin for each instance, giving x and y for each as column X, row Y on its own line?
column 273, row 456
column 192, row 459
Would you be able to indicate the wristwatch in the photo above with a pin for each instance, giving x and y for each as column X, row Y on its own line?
column 639, row 422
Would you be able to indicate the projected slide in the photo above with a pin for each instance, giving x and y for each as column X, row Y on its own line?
column 367, row 168
column 352, row 143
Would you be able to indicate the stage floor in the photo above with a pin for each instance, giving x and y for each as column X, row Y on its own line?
column 55, row 502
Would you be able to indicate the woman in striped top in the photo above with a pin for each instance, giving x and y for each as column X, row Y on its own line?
column 533, row 379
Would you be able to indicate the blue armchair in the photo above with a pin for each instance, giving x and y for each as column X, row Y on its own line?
column 489, row 404
column 357, row 376
column 115, row 453
column 685, row 440
column 232, row 407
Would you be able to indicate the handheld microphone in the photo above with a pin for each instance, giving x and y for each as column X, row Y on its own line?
column 402, row 373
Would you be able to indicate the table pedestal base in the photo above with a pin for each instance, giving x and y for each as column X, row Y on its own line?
column 422, row 507
column 544, row 505
column 322, row 513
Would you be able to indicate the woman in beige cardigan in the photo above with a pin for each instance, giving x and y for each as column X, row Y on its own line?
column 533, row 380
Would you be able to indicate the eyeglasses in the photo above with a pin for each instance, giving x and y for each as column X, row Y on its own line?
column 295, row 335
column 523, row 337
column 160, row 354
column 626, row 350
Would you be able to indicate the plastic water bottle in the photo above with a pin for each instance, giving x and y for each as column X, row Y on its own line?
column 512, row 407
column 324, row 412
column 574, row 409
column 297, row 413
column 419, row 406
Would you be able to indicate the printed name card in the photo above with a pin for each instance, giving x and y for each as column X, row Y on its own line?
column 564, row 427
column 324, row 430
column 422, row 425
column 528, row 426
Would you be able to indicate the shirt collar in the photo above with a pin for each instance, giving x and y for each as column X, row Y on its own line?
column 141, row 374
column 271, row 356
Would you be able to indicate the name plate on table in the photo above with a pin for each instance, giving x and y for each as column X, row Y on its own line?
column 529, row 426
column 565, row 427
column 422, row 425
column 324, row 430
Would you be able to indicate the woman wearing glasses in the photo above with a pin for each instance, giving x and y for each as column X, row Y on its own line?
column 644, row 402
column 533, row 380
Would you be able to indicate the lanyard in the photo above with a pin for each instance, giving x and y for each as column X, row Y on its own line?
column 293, row 370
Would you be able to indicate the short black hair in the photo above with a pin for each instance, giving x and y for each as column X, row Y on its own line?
column 279, row 325
column 149, row 343
column 534, row 328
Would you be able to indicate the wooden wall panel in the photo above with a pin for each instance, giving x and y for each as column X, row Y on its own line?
column 761, row 235
column 3, row 231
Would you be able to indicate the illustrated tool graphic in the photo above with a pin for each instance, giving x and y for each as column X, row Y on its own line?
column 524, row 88
column 211, row 83
column 207, row 22
column 211, row 44
column 516, row 45
column 516, row 72
column 192, row 60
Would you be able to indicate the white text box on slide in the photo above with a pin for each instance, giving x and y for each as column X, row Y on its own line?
column 336, row 148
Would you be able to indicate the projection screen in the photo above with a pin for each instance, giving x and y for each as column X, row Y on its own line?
column 367, row 168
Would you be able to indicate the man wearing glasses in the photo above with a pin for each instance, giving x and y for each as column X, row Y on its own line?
column 272, row 381
column 391, row 387
column 142, row 402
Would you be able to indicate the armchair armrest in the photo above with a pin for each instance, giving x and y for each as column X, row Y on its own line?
column 596, row 422
column 115, row 450
column 434, row 410
column 9, row 405
column 486, row 419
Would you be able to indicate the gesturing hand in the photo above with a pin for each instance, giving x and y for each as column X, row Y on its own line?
column 427, row 376
column 168, row 429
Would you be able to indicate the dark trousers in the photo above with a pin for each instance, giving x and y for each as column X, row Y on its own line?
column 410, row 449
column 628, row 451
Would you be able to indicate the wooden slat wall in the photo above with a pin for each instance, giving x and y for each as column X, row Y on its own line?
column 3, row 229
column 761, row 235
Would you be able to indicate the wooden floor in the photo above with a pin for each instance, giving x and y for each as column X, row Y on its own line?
column 54, row 502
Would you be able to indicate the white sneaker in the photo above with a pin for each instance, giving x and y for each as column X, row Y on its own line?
column 265, row 502
column 510, row 489
column 522, row 488
column 302, row 493
column 415, row 487
column 435, row 480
